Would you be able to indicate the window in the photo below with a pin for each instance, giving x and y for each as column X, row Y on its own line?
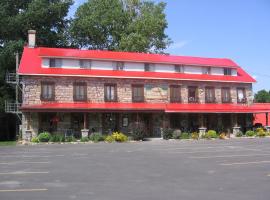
column 137, row 93
column 241, row 96
column 55, row 62
column 225, row 95
column 86, row 64
column 149, row 67
column 192, row 94
column 178, row 68
column 119, row 66
column 47, row 91
column 110, row 92
column 79, row 91
column 206, row 70
column 175, row 93
column 209, row 95
column 227, row 71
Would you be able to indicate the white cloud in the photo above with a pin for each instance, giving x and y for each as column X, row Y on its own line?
column 179, row 45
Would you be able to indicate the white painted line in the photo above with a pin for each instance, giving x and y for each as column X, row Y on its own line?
column 225, row 150
column 228, row 156
column 245, row 163
column 30, row 156
column 25, row 190
column 22, row 173
column 24, row 162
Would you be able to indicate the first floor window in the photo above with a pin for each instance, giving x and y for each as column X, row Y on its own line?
column 226, row 95
column 119, row 66
column 227, row 71
column 206, row 70
column 85, row 63
column 209, row 95
column 110, row 92
column 47, row 91
column 178, row 68
column 55, row 62
column 79, row 92
column 175, row 93
column 241, row 97
column 192, row 94
column 137, row 93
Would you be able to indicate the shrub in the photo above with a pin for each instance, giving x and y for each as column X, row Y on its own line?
column 70, row 139
column 210, row 134
column 84, row 139
column 195, row 136
column 239, row 134
column 222, row 136
column 250, row 133
column 176, row 134
column 57, row 138
column 35, row 140
column 137, row 131
column 96, row 137
column 109, row 138
column 261, row 133
column 167, row 133
column 119, row 137
column 185, row 135
column 44, row 137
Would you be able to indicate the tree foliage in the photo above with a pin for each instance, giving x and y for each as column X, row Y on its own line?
column 125, row 25
column 262, row 96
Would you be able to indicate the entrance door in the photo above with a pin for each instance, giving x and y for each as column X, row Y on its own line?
column 147, row 120
column 77, row 124
column 110, row 122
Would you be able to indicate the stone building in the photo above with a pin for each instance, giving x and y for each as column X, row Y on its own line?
column 84, row 91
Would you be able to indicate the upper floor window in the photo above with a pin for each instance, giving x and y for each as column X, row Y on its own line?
column 241, row 96
column 47, row 91
column 227, row 71
column 137, row 93
column 206, row 70
column 55, row 62
column 86, row 64
column 210, row 95
column 149, row 67
column 175, row 93
column 192, row 94
column 225, row 95
column 119, row 65
column 79, row 91
column 178, row 68
column 110, row 92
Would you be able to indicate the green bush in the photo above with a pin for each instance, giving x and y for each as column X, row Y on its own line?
column 185, row 135
column 195, row 136
column 84, row 139
column 70, row 139
column 44, row 137
column 109, row 138
column 176, row 134
column 239, row 134
column 261, row 133
column 167, row 133
column 35, row 140
column 57, row 138
column 210, row 134
column 250, row 133
column 137, row 131
column 119, row 137
column 96, row 137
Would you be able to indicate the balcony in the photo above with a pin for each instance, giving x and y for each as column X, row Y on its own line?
column 226, row 100
column 12, row 107
column 210, row 100
column 193, row 100
column 242, row 100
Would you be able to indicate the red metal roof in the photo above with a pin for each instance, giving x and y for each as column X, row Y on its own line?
column 169, row 108
column 31, row 65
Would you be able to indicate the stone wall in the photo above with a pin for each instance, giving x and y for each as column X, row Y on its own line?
column 156, row 91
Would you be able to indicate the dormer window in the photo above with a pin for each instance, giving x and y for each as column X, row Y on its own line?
column 119, row 66
column 206, row 70
column 85, row 64
column 55, row 62
column 227, row 71
column 178, row 68
column 149, row 67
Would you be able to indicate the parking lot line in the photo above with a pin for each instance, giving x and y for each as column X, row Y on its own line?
column 245, row 163
column 22, row 173
column 224, row 150
column 25, row 190
column 23, row 162
column 228, row 156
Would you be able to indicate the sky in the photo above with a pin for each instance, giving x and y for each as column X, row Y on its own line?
column 235, row 29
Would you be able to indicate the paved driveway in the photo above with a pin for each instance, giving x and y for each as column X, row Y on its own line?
column 221, row 169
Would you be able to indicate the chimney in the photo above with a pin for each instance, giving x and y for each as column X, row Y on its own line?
column 31, row 38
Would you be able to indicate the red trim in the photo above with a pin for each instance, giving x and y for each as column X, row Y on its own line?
column 143, row 107
column 31, row 65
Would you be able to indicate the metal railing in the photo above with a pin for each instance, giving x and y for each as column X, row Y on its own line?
column 12, row 78
column 12, row 107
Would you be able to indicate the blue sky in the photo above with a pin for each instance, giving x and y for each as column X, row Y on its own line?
column 236, row 29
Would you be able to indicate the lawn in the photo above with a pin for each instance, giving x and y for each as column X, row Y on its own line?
column 8, row 143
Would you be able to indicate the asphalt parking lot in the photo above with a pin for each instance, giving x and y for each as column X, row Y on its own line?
column 219, row 169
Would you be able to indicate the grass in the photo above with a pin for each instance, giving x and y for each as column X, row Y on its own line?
column 8, row 143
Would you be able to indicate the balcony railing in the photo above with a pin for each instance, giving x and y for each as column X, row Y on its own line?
column 226, row 100
column 12, row 78
column 210, row 100
column 242, row 100
column 12, row 107
column 193, row 100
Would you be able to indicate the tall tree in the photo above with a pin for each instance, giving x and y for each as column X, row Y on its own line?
column 125, row 25
column 262, row 96
column 48, row 17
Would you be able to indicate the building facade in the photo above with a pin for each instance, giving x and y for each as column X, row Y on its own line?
column 84, row 91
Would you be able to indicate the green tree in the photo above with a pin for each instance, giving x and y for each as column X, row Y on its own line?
column 125, row 25
column 262, row 96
